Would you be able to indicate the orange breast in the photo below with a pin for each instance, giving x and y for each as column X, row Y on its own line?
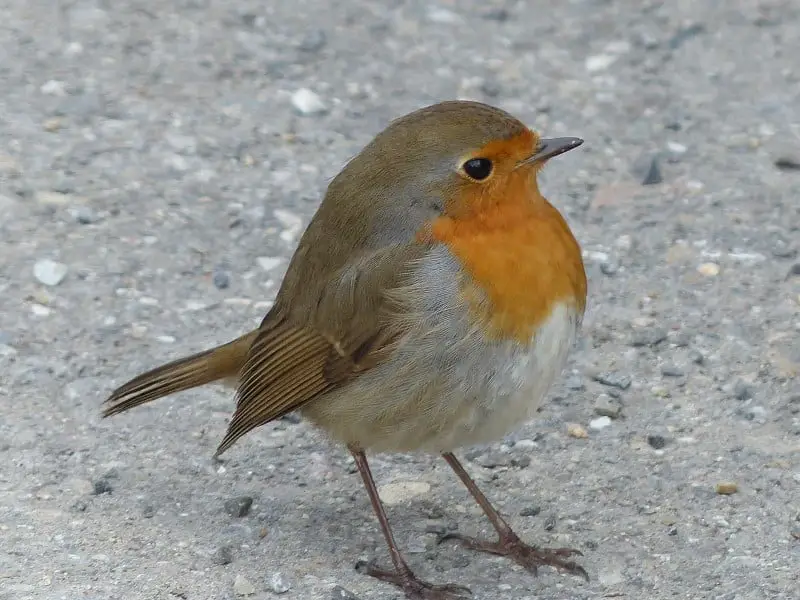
column 521, row 260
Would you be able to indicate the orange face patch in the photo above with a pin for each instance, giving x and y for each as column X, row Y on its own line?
column 514, row 246
column 476, row 196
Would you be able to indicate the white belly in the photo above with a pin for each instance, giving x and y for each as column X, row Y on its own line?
column 516, row 382
column 447, row 386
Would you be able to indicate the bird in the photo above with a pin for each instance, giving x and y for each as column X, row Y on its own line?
column 430, row 304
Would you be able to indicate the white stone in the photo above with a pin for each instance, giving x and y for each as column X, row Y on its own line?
column 195, row 305
column 676, row 147
column 595, row 255
column 242, row 587
column 49, row 272
column 268, row 262
column 40, row 310
column 599, row 62
column 54, row 88
column 442, row 15
column 307, row 102
column 708, row 269
column 599, row 423
column 279, row 584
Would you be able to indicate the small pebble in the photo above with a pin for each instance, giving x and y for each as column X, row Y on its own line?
column 49, row 272
column 436, row 527
column 783, row 249
column 606, row 406
column 242, row 587
column 399, row 492
column 788, row 158
column 340, row 593
column 238, row 507
column 656, row 441
column 682, row 339
column 530, row 511
column 52, row 125
column 726, row 488
column 54, row 88
column 221, row 279
column 696, row 357
column 648, row 337
column 223, row 556
column 599, row 423
column 102, row 486
column 574, row 383
column 40, row 311
column 684, row 34
column 496, row 14
column 268, row 262
column 742, row 391
column 48, row 198
column 577, row 431
column 416, row 545
column 613, row 379
column 307, row 102
column 660, row 391
column 650, row 174
column 670, row 370
column 708, row 269
column 521, row 461
column 442, row 16
column 676, row 147
column 549, row 523
column 278, row 584
column 599, row 62
column 492, row 460
column 313, row 41
column 148, row 511
column 83, row 215
column 609, row 268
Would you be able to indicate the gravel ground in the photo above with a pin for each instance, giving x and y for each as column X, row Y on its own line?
column 158, row 161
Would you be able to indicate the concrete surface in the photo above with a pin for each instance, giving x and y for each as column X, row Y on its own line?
column 155, row 175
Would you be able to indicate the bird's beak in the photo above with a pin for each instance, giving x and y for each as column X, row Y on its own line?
column 552, row 147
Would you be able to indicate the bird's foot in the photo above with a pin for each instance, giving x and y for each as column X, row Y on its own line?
column 530, row 557
column 413, row 587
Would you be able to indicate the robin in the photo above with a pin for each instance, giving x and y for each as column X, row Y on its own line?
column 430, row 304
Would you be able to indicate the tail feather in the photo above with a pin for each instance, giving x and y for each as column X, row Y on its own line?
column 182, row 374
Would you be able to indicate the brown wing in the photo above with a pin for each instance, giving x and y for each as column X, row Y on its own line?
column 298, row 356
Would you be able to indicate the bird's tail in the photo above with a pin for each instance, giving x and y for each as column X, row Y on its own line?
column 222, row 362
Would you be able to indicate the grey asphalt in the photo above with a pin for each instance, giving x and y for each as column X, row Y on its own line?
column 156, row 169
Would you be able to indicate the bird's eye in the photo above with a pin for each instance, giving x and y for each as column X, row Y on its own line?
column 478, row 168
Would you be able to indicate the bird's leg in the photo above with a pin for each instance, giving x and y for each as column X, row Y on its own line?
column 509, row 543
column 402, row 576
